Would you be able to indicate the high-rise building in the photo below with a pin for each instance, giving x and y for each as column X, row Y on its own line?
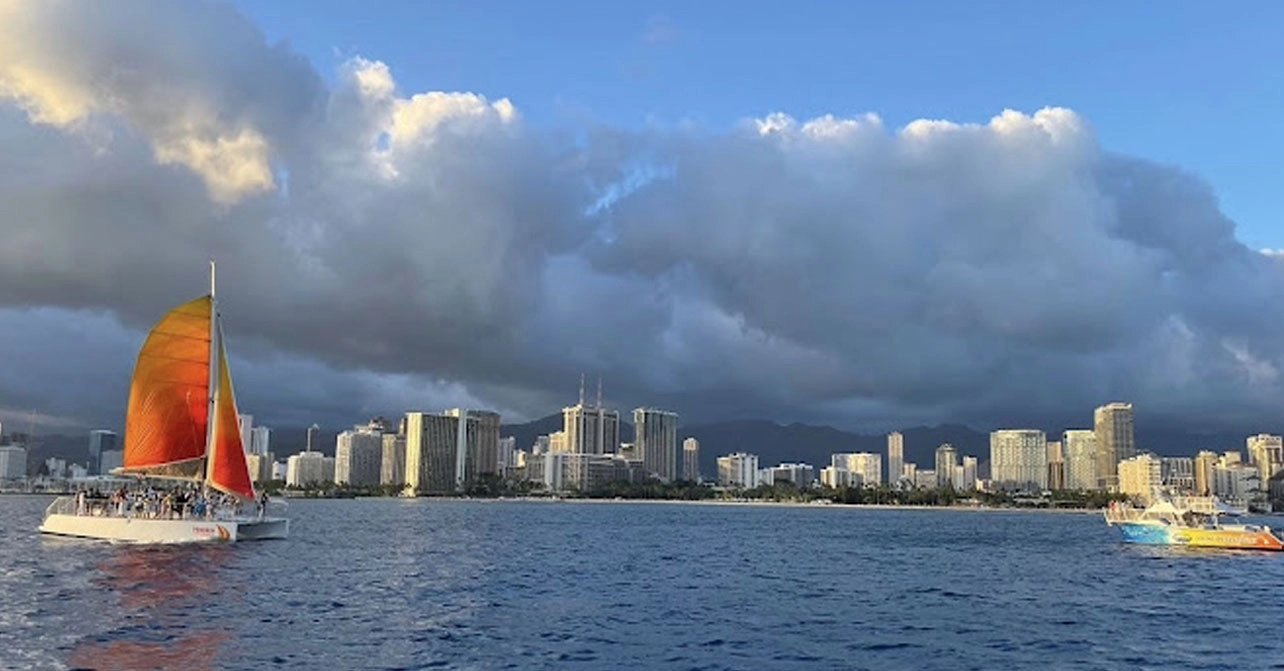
column 691, row 460
column 1079, row 449
column 476, row 445
column 447, row 452
column 13, row 462
column 259, row 466
column 246, row 425
column 358, row 456
column 590, row 429
column 308, row 469
column 392, row 467
column 1205, row 463
column 1140, row 476
column 895, row 456
column 1266, row 452
column 1019, row 459
column 738, row 470
column 801, row 476
column 656, row 438
column 866, row 468
column 946, row 459
column 909, row 473
column 557, row 443
column 1113, row 424
column 430, row 453
column 100, row 440
column 314, row 438
column 1236, row 482
column 260, row 441
column 543, row 445
column 110, row 460
column 1056, row 466
column 506, row 458
column 969, row 474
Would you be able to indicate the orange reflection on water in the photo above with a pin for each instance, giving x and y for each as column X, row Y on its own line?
column 161, row 587
column 193, row 652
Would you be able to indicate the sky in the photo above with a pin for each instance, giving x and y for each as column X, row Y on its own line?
column 869, row 215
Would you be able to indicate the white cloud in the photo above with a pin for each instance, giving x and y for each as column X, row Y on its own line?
column 443, row 248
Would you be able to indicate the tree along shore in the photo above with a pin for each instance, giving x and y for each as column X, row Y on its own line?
column 883, row 495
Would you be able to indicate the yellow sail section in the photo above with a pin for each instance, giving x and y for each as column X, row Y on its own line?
column 227, row 469
column 169, row 395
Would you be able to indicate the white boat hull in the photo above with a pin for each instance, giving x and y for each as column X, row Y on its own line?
column 137, row 530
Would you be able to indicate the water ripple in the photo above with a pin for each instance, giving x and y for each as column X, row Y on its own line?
column 386, row 584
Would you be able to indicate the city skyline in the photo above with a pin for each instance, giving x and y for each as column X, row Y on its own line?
column 702, row 254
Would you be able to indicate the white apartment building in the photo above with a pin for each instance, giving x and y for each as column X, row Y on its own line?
column 1079, row 449
column 1140, row 476
column 895, row 456
column 358, row 456
column 865, row 467
column 738, row 469
column 691, row 460
column 392, row 466
column 308, row 468
column 13, row 462
column 946, row 459
column 1018, row 459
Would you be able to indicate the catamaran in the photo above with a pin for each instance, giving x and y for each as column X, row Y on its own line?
column 181, row 427
column 1190, row 521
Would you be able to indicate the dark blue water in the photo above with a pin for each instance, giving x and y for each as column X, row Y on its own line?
column 387, row 584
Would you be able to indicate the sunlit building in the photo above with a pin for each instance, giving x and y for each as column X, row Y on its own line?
column 895, row 457
column 946, row 459
column 738, row 469
column 1018, row 459
column 691, row 460
column 1113, row 424
column 1079, row 450
column 358, row 456
column 866, row 468
column 1140, row 477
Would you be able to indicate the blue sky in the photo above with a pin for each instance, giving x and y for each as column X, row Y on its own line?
column 1191, row 85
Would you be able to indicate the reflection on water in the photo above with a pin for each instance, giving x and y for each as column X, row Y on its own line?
column 487, row 585
column 193, row 652
column 163, row 595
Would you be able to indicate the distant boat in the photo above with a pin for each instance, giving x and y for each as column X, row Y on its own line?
column 181, row 426
column 1193, row 522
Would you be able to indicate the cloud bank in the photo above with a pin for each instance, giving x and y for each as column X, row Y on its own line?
column 386, row 250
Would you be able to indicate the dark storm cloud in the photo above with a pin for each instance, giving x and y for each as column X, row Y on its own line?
column 382, row 250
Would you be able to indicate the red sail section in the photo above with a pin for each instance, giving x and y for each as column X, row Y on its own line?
column 169, row 396
column 227, row 470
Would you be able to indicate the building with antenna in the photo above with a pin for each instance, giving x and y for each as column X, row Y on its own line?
column 591, row 429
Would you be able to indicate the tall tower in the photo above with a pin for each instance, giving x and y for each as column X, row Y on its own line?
column 895, row 456
column 946, row 459
column 1113, row 425
column 656, row 438
column 590, row 429
column 691, row 460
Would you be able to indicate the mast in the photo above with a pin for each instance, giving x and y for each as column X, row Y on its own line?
column 213, row 373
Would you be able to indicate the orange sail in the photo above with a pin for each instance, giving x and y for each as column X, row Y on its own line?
column 169, row 396
column 227, row 469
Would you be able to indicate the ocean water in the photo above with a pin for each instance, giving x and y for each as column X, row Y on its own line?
column 417, row 584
